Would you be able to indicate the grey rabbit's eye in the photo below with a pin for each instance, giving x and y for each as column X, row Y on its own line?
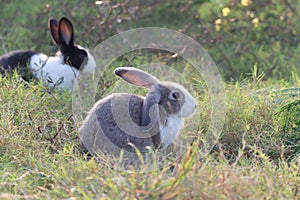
column 175, row 95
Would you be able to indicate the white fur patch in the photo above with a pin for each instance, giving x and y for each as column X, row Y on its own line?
column 90, row 66
column 170, row 131
column 53, row 72
column 189, row 105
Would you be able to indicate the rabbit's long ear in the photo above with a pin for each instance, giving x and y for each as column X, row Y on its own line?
column 136, row 77
column 53, row 25
column 65, row 31
column 150, row 103
column 153, row 116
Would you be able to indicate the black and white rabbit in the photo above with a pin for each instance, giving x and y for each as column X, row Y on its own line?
column 127, row 121
column 60, row 70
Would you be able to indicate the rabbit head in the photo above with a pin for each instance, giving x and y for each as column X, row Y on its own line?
column 167, row 102
column 174, row 98
column 62, row 34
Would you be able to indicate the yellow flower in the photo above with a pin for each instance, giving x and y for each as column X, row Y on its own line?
column 255, row 21
column 225, row 11
column 98, row 2
column 245, row 2
column 218, row 22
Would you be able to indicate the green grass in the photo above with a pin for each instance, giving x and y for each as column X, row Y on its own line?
column 40, row 156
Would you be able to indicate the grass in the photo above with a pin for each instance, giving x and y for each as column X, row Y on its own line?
column 40, row 156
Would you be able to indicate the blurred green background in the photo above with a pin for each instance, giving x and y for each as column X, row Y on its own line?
column 245, row 38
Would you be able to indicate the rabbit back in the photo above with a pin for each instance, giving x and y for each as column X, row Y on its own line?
column 14, row 59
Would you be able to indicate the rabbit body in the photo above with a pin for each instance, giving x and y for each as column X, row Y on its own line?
column 101, row 131
column 11, row 60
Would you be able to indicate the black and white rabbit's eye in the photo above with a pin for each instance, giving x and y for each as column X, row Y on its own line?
column 68, row 61
column 175, row 95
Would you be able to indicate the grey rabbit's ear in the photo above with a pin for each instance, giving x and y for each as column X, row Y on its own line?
column 65, row 31
column 53, row 25
column 153, row 116
column 152, row 99
column 136, row 77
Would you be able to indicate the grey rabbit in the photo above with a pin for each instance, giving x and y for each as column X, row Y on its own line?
column 127, row 122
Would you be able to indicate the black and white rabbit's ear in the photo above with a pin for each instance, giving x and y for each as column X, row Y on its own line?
column 53, row 25
column 65, row 31
column 136, row 76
